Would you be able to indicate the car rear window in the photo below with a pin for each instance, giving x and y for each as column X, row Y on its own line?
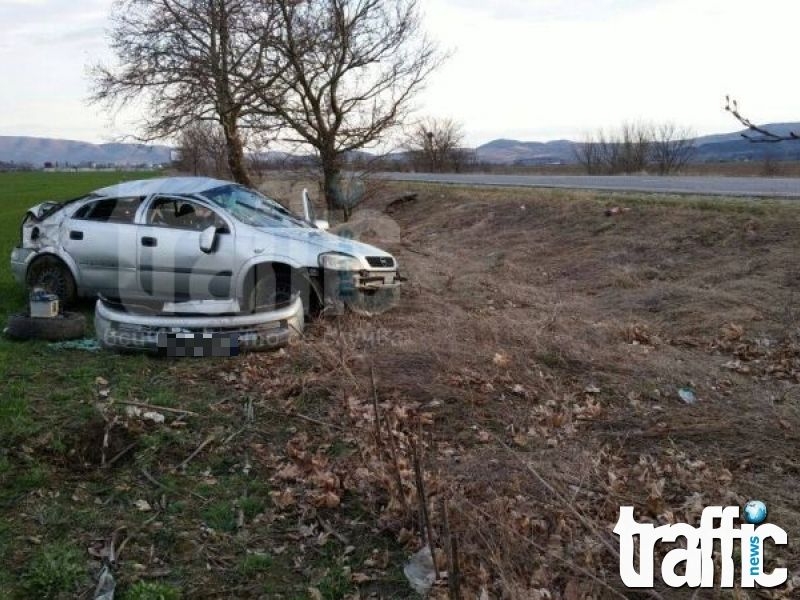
column 110, row 210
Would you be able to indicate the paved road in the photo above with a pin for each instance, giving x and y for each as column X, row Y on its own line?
column 775, row 187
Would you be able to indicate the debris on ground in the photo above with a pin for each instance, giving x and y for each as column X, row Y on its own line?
column 420, row 571
column 106, row 585
column 85, row 344
column 616, row 210
column 687, row 395
column 147, row 415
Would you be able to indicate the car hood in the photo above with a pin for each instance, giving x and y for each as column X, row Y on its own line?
column 326, row 242
column 40, row 209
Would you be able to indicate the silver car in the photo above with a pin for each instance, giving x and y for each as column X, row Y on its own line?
column 194, row 254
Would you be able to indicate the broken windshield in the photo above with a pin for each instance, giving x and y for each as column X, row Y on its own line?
column 252, row 208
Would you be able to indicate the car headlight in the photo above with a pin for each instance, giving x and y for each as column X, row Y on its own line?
column 339, row 262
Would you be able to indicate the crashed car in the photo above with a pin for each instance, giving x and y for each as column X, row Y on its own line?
column 195, row 255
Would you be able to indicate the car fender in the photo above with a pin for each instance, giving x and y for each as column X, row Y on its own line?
column 62, row 256
column 259, row 260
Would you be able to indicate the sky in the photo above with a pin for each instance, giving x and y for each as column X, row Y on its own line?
column 522, row 69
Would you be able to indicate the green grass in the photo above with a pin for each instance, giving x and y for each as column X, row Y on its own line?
column 59, row 499
column 148, row 590
column 19, row 192
column 55, row 571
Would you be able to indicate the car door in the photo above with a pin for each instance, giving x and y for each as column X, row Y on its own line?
column 171, row 264
column 100, row 237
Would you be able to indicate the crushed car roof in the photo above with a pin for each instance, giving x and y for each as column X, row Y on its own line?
column 162, row 185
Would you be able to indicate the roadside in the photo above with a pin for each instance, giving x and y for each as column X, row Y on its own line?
column 533, row 368
column 743, row 187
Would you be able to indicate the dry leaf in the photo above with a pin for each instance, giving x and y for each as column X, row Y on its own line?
column 283, row 499
column 501, row 360
column 314, row 593
column 326, row 500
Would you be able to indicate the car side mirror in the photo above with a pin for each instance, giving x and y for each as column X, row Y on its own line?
column 207, row 239
column 322, row 224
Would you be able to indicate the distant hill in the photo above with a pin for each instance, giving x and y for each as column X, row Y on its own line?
column 37, row 151
column 710, row 148
column 724, row 147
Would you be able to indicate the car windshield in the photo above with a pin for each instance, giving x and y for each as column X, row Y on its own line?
column 252, row 208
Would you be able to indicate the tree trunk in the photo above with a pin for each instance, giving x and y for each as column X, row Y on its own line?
column 236, row 158
column 331, row 175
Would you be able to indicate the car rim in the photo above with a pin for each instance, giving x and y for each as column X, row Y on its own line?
column 52, row 280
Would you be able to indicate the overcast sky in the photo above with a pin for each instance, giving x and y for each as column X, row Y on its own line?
column 523, row 69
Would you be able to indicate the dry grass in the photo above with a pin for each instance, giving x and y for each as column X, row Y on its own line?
column 519, row 302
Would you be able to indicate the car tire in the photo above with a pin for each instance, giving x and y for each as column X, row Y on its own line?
column 51, row 274
column 66, row 326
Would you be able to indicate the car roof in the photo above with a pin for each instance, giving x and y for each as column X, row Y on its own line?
column 162, row 185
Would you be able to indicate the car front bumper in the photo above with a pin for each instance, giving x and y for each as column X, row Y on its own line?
column 119, row 330
column 363, row 292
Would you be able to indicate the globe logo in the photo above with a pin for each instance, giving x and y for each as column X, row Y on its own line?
column 755, row 512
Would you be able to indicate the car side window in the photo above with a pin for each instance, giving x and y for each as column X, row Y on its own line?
column 179, row 213
column 109, row 210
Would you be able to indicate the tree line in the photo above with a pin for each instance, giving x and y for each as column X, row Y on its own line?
column 332, row 76
column 636, row 147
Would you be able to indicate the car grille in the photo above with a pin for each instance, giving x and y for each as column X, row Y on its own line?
column 380, row 261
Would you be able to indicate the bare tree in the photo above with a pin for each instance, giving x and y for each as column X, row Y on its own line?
column 672, row 147
column 436, row 145
column 635, row 147
column 635, row 142
column 349, row 71
column 202, row 150
column 189, row 60
column 588, row 154
column 764, row 135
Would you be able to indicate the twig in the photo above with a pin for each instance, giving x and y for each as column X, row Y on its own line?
column 179, row 411
column 451, row 547
column 152, row 479
column 766, row 135
column 327, row 527
column 199, row 449
column 378, row 439
column 120, row 454
column 302, row 417
column 545, row 550
column 104, row 446
column 160, row 485
column 580, row 516
column 398, row 479
column 233, row 435
column 423, row 501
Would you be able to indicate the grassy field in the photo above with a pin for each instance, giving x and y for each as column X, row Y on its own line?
column 209, row 530
column 529, row 379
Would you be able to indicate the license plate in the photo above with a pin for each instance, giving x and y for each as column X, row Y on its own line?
column 198, row 345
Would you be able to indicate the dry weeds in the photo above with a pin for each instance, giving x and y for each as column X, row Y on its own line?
column 536, row 357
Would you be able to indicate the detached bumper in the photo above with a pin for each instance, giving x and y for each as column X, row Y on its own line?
column 119, row 330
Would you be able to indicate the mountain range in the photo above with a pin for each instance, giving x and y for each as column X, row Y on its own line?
column 725, row 147
column 38, row 151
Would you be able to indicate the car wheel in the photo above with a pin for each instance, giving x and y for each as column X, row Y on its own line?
column 52, row 275
column 66, row 326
